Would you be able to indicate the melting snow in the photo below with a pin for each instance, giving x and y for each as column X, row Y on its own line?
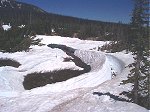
column 73, row 95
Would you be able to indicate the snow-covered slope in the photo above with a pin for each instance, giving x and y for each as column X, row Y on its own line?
column 73, row 95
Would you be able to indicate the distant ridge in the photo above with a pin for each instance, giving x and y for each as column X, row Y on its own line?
column 41, row 22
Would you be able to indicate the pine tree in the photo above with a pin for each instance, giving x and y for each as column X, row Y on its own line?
column 139, row 75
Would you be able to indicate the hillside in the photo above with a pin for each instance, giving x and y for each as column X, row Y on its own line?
column 41, row 22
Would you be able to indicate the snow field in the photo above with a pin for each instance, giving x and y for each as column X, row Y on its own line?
column 73, row 95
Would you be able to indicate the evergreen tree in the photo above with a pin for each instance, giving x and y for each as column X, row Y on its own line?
column 139, row 46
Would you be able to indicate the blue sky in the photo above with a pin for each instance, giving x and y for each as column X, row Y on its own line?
column 103, row 10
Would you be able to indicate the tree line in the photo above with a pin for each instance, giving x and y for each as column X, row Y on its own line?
column 37, row 21
column 43, row 22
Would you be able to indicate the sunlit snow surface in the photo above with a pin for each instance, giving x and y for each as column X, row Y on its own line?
column 6, row 27
column 73, row 95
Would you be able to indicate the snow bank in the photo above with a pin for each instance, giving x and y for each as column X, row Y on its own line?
column 6, row 27
column 116, row 64
column 92, row 58
column 10, row 79
column 21, row 26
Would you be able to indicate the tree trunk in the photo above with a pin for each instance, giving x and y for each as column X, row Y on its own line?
column 136, row 80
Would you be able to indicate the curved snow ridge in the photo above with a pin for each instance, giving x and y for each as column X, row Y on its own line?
column 116, row 64
column 100, row 72
column 93, row 58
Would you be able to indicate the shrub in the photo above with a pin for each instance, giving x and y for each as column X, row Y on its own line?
column 16, row 39
column 115, row 46
column 9, row 62
column 35, row 79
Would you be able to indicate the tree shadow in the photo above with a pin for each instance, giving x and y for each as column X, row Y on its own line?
column 117, row 98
